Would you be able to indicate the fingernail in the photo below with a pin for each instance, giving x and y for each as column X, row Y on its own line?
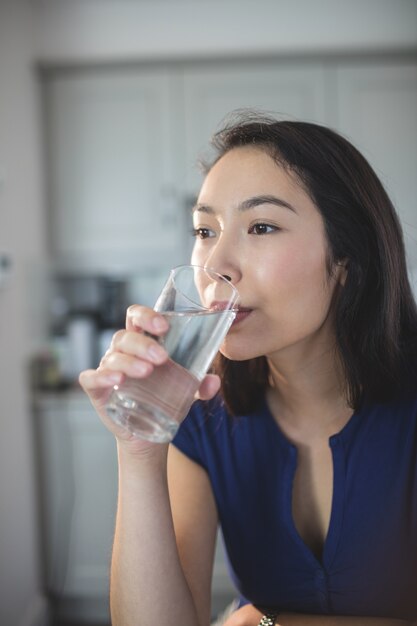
column 140, row 367
column 157, row 353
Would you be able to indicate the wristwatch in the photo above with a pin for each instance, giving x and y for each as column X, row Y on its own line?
column 268, row 619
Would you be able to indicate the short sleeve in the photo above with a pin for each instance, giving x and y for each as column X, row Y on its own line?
column 202, row 434
column 189, row 434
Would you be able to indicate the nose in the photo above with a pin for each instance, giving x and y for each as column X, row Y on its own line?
column 224, row 260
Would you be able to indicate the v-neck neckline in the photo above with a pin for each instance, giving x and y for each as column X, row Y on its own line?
column 336, row 444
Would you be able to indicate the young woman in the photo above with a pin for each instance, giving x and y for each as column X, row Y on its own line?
column 303, row 443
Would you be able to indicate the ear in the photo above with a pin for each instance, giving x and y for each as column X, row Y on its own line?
column 341, row 271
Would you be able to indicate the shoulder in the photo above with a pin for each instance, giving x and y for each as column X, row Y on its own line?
column 391, row 424
column 201, row 428
column 209, row 434
column 204, row 419
column 401, row 408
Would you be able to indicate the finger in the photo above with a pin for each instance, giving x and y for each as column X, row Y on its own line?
column 209, row 387
column 92, row 379
column 138, row 345
column 127, row 364
column 98, row 384
column 144, row 318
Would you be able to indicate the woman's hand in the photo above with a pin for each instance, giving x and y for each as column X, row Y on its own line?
column 247, row 615
column 134, row 354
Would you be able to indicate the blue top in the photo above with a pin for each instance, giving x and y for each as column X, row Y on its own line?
column 369, row 561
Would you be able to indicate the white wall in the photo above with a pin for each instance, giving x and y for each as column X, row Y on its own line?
column 114, row 29
column 22, row 236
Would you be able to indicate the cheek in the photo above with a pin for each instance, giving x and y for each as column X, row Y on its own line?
column 289, row 269
column 298, row 282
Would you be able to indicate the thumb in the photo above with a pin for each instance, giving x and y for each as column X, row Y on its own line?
column 209, row 387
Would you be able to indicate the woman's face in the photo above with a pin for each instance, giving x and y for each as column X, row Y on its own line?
column 255, row 223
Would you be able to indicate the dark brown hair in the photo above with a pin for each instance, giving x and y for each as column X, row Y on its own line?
column 375, row 312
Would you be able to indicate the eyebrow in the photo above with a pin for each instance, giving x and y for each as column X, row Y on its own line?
column 249, row 203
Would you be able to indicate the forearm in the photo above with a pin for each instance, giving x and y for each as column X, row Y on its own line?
column 147, row 585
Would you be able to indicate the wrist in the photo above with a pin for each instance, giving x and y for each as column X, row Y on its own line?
column 140, row 455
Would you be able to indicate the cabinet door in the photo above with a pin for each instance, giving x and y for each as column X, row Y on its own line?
column 79, row 480
column 377, row 110
column 289, row 91
column 113, row 169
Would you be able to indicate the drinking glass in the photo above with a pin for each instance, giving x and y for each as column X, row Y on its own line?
column 199, row 305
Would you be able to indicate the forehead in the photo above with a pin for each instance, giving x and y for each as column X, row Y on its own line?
column 238, row 160
column 248, row 171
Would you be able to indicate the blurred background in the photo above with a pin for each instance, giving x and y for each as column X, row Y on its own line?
column 105, row 106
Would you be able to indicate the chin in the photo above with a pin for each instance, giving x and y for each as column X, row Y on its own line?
column 239, row 352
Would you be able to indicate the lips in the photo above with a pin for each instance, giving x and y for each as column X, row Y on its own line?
column 242, row 314
column 241, row 311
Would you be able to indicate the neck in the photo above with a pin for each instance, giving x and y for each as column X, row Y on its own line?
column 306, row 393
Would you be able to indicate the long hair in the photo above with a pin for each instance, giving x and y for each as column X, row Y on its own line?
column 375, row 312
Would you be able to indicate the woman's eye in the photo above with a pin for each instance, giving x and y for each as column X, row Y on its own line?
column 202, row 233
column 262, row 229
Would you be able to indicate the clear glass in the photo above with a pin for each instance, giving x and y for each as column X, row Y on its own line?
column 199, row 305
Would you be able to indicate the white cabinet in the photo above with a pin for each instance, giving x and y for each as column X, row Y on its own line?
column 113, row 169
column 78, row 465
column 377, row 111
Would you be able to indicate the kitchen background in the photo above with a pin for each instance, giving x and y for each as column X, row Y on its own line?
column 105, row 106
